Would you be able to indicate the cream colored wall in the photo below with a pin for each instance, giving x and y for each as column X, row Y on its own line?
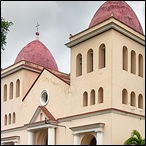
column 125, row 79
column 122, row 126
column 111, row 131
column 22, row 133
column 65, row 135
column 115, row 131
column 25, row 110
column 57, row 95
column 94, row 80
column 15, row 105
column 28, row 78
column 113, row 76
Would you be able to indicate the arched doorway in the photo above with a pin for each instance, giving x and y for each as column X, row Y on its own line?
column 93, row 141
column 41, row 137
column 88, row 139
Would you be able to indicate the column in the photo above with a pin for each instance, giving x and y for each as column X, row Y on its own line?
column 51, row 136
column 99, row 137
column 76, row 139
column 30, row 138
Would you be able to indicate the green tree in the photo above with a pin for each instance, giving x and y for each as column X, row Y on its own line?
column 135, row 139
column 4, row 31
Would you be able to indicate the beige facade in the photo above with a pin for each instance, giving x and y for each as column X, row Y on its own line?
column 102, row 97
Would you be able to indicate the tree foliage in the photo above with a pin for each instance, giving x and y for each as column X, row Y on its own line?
column 4, row 31
column 135, row 139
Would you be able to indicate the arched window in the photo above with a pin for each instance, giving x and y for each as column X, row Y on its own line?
column 5, row 92
column 41, row 116
column 140, row 65
column 92, row 97
column 125, row 58
column 140, row 101
column 14, row 118
column 124, row 96
column 5, row 120
column 132, row 99
column 17, row 88
column 100, row 95
column 90, row 61
column 85, row 99
column 133, row 62
column 79, row 65
column 102, row 57
column 9, row 118
column 11, row 90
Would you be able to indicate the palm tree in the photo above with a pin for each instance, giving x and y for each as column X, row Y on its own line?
column 135, row 139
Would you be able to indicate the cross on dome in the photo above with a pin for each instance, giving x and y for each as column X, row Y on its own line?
column 37, row 33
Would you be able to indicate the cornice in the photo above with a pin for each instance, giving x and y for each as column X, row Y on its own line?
column 85, row 35
column 17, row 67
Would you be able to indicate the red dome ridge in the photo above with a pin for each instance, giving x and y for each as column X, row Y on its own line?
column 36, row 52
column 119, row 10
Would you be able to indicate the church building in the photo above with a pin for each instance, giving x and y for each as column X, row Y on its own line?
column 100, row 102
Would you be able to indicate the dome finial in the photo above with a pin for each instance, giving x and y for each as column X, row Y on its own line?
column 37, row 33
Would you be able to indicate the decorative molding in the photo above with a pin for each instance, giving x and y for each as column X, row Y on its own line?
column 13, row 129
column 81, row 116
column 97, row 127
column 6, row 140
column 39, row 125
column 110, row 25
column 46, row 113
column 19, row 66
column 101, row 112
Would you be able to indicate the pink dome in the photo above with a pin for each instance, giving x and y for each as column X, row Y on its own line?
column 36, row 52
column 119, row 10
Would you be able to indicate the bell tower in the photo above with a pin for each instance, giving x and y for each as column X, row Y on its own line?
column 107, row 62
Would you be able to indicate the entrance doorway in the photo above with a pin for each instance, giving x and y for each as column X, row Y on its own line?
column 41, row 137
column 88, row 139
column 93, row 141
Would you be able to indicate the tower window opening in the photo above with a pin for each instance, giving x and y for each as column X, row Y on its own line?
column 133, row 62
column 102, row 56
column 79, row 65
column 124, row 97
column 90, row 61
column 5, row 120
column 14, row 118
column 100, row 95
column 132, row 99
column 18, row 88
column 5, row 92
column 11, row 90
column 85, row 99
column 140, row 65
column 140, row 101
column 125, row 58
column 9, row 118
column 92, row 97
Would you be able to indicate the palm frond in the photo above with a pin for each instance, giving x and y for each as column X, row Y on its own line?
column 135, row 139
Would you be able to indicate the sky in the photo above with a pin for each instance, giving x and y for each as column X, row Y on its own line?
column 57, row 20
